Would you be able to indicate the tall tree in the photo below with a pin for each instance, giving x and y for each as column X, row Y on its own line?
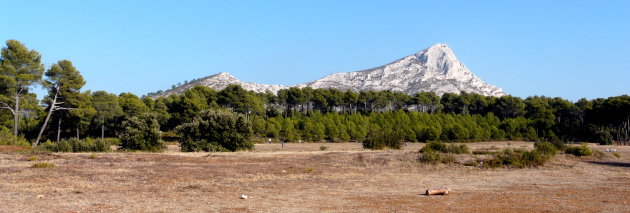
column 64, row 83
column 131, row 105
column 107, row 108
column 20, row 68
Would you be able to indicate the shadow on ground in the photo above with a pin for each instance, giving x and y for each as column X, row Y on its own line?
column 617, row 164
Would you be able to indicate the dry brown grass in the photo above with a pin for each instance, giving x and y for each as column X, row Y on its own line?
column 302, row 178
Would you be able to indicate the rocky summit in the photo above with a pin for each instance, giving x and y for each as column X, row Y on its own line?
column 433, row 69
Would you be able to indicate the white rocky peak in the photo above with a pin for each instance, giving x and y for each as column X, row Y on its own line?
column 439, row 58
column 223, row 75
column 433, row 69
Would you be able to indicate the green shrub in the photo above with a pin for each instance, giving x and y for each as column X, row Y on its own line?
column 617, row 155
column 323, row 148
column 141, row 133
column 76, row 145
column 533, row 158
column 559, row 145
column 428, row 133
column 32, row 158
column 216, row 131
column 43, row 165
column 64, row 146
column 103, row 145
column 434, row 146
column 378, row 139
column 579, row 151
column 519, row 158
column 110, row 141
column 434, row 157
column 507, row 157
column 92, row 156
column 80, row 145
column 443, row 148
column 7, row 138
column 603, row 137
column 430, row 157
column 457, row 149
column 546, row 148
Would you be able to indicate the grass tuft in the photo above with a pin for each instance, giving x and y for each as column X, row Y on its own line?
column 43, row 165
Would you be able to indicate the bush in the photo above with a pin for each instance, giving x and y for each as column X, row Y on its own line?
column 110, row 141
column 559, row 145
column 617, row 155
column 434, row 157
column 455, row 149
column 579, row 151
column 507, row 157
column 216, row 131
column 433, row 146
column 546, row 148
column 378, row 139
column 80, row 146
column 104, row 145
column 76, row 145
column 443, row 148
column 323, row 148
column 428, row 133
column 521, row 158
column 430, row 157
column 43, row 165
column 63, row 146
column 141, row 133
column 603, row 138
column 7, row 138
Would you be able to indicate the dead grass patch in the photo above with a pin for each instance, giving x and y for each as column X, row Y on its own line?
column 302, row 178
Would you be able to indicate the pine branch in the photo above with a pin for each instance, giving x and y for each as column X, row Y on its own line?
column 6, row 106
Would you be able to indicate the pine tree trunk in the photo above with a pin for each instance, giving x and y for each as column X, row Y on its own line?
column 16, row 115
column 41, row 131
column 103, row 130
column 78, row 133
column 59, row 130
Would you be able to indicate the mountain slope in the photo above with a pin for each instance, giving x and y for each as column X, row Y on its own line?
column 433, row 69
column 218, row 82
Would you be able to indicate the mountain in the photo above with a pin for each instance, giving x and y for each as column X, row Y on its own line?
column 218, row 82
column 433, row 69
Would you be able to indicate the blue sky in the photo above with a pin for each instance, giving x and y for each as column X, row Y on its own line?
column 570, row 49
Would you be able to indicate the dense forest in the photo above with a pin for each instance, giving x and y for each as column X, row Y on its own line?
column 293, row 114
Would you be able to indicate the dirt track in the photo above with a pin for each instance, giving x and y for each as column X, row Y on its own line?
column 300, row 178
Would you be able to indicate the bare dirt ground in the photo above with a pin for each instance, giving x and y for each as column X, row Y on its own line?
column 301, row 178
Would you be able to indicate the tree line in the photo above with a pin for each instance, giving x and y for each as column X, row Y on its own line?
column 294, row 114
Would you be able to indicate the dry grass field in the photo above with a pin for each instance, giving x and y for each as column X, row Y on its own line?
column 302, row 178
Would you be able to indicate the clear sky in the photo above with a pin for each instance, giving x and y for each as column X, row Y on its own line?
column 570, row 49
